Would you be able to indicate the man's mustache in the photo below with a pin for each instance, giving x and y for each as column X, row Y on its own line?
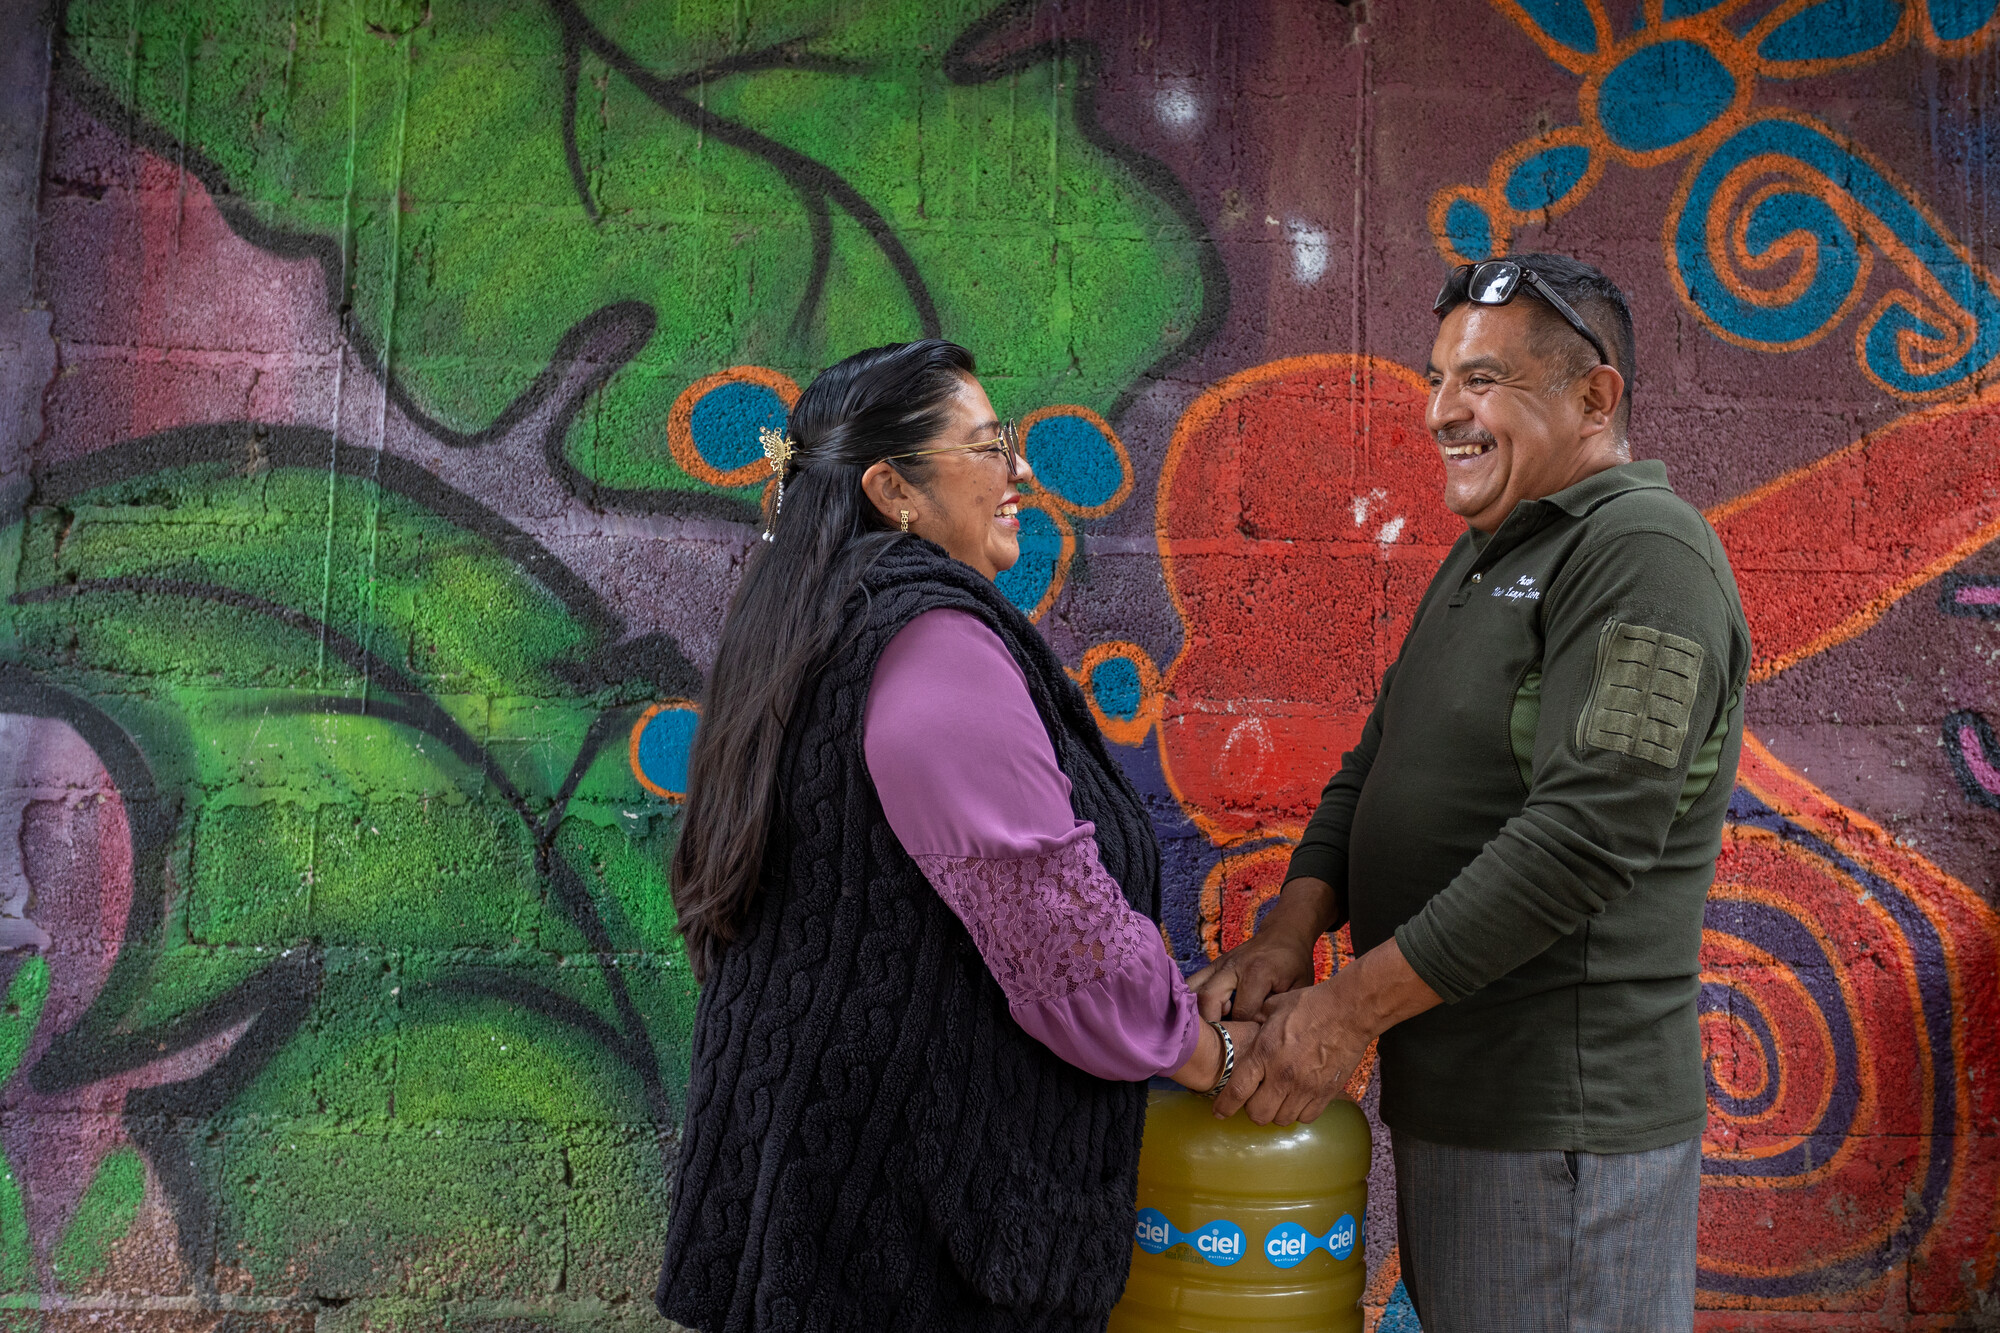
column 1466, row 434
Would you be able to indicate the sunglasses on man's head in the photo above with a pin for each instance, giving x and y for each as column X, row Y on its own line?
column 1496, row 282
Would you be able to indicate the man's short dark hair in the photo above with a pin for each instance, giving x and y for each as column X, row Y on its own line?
column 1602, row 306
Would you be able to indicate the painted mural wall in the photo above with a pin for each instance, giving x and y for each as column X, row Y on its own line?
column 391, row 453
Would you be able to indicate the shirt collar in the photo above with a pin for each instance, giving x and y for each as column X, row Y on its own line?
column 1646, row 475
column 1531, row 516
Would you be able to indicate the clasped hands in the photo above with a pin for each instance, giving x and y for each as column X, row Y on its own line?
column 1309, row 1038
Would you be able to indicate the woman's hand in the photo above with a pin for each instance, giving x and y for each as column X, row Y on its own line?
column 1205, row 1065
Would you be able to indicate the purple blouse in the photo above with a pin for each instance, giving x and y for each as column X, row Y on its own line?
column 969, row 782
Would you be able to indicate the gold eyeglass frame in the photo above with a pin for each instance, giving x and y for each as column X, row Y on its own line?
column 1010, row 436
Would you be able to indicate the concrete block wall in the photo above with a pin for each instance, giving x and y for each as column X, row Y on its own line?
column 381, row 386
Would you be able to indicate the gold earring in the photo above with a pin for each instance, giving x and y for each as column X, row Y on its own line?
column 906, row 520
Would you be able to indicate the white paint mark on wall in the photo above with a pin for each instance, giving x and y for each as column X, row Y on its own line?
column 1311, row 252
column 1246, row 750
column 1177, row 105
column 1362, row 502
column 1390, row 530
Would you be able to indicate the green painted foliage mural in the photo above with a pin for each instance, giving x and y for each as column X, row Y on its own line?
column 704, row 184
column 411, row 883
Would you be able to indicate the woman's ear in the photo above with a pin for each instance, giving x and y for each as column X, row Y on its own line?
column 890, row 492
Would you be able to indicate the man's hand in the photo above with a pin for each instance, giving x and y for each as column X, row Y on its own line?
column 1313, row 1039
column 1278, row 958
column 1307, row 1050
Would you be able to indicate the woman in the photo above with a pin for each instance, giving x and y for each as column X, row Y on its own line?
column 915, row 886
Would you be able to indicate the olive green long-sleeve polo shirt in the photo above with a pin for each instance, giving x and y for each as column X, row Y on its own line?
column 1533, row 812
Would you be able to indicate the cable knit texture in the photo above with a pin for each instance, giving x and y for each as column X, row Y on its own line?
column 871, row 1140
column 1044, row 924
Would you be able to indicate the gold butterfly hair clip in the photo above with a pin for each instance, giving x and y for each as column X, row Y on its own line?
column 778, row 452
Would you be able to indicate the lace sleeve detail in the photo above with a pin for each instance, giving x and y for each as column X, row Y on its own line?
column 1046, row 925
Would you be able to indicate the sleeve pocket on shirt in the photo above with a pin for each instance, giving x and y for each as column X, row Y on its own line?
column 1643, row 693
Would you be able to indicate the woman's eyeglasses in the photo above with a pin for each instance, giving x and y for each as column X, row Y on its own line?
column 1498, row 281
column 1004, row 447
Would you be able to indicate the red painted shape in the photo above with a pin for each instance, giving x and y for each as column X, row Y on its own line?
column 1299, row 521
column 1822, row 552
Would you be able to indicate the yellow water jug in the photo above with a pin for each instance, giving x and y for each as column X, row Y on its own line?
column 1247, row 1228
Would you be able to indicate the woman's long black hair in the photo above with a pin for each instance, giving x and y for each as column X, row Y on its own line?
column 787, row 616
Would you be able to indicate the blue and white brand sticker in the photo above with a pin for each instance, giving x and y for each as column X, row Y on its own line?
column 1289, row 1243
column 1220, row 1242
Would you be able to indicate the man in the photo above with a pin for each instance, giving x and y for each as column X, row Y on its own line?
column 1522, row 840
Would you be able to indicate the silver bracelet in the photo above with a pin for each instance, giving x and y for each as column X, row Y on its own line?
column 1228, row 1058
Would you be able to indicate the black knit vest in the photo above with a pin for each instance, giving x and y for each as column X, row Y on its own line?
column 871, row 1141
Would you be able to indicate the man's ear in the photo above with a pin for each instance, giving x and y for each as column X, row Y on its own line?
column 1603, row 389
column 889, row 491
